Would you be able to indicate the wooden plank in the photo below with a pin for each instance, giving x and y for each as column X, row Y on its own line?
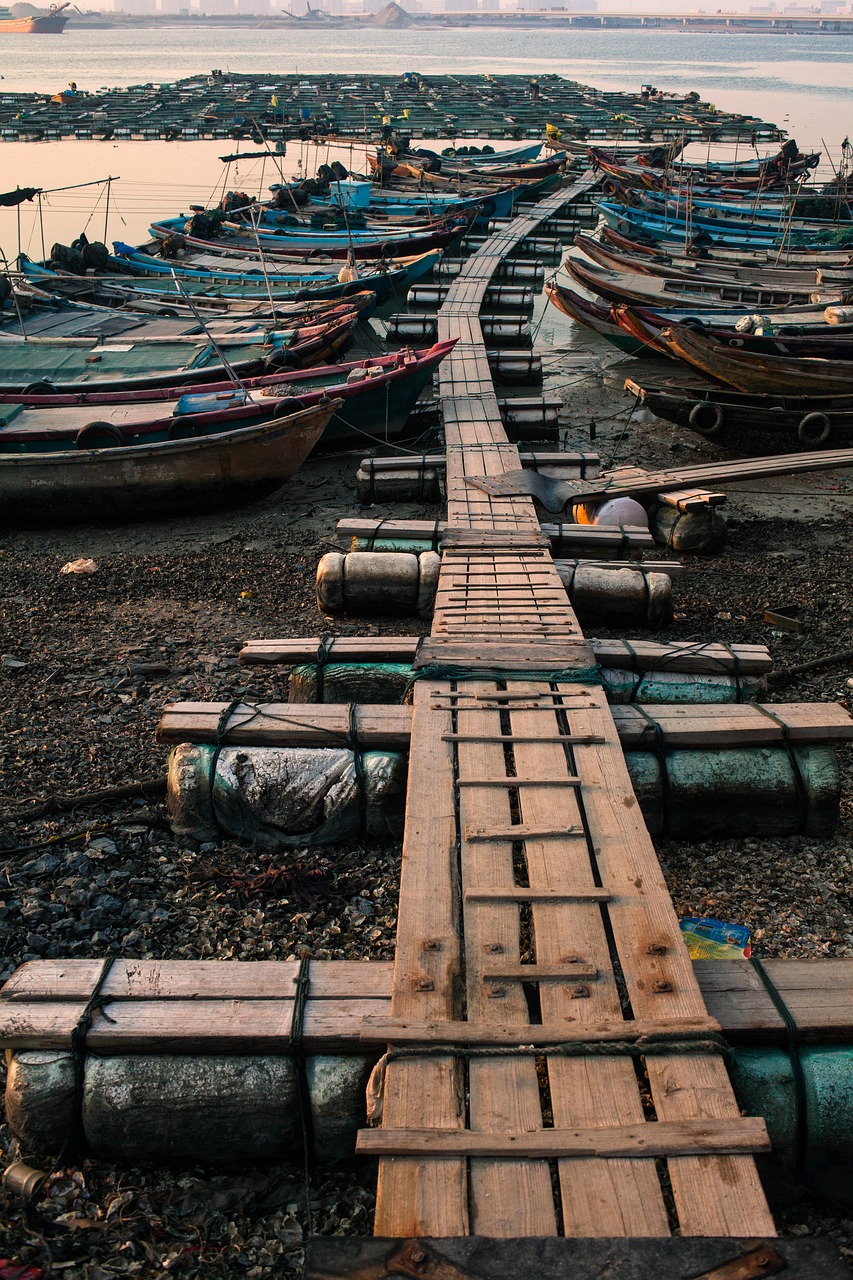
column 416, row 1197
column 542, row 894
column 626, row 1142
column 512, row 783
column 710, row 726
column 818, row 994
column 601, row 1197
column 579, row 972
column 54, row 980
column 504, row 1096
column 185, row 1026
column 376, row 1029
column 735, row 724
column 713, row 1196
column 274, row 723
column 518, row 831
column 482, row 654
column 640, row 655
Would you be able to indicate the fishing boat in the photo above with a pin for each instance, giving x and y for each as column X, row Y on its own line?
column 758, row 375
column 713, row 411
column 163, row 296
column 375, row 397
column 43, row 368
column 818, row 256
column 129, row 481
column 594, row 316
column 386, row 243
column 673, row 266
column 40, row 318
column 699, row 293
column 631, row 222
column 827, row 341
column 52, row 22
column 316, row 273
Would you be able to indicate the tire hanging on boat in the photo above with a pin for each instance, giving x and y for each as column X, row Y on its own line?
column 814, row 428
column 286, row 406
column 92, row 436
column 706, row 417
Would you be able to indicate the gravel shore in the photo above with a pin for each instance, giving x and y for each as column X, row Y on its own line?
column 90, row 661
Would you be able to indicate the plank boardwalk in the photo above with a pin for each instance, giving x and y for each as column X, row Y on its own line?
column 512, row 696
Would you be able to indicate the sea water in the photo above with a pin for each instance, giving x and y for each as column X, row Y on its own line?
column 803, row 83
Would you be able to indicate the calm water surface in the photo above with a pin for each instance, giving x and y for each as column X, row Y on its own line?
column 802, row 83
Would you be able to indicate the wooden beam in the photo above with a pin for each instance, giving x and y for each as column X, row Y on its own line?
column 626, row 1142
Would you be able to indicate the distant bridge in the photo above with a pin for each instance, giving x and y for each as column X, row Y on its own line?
column 782, row 23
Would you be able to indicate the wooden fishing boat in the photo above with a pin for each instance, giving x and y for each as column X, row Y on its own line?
column 713, row 412
column 43, row 368
column 700, row 294
column 375, row 397
column 41, row 318
column 713, row 210
column 382, row 245
column 672, row 266
column 818, row 257
column 631, row 221
column 828, row 342
column 125, row 482
column 758, row 375
column 315, row 278
column 153, row 295
column 594, row 316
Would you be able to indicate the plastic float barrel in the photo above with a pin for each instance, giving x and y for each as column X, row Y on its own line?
column 501, row 297
column 502, row 331
column 630, row 597
column 531, row 418
column 764, row 1078
column 376, row 582
column 701, row 532
column 514, row 368
column 412, row 484
column 389, row 682
column 744, row 791
column 280, row 797
column 222, row 1108
column 512, row 270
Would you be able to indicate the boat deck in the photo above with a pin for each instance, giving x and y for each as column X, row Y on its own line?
column 553, row 1067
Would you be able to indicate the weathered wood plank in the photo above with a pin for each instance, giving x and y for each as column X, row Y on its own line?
column 423, row 1197
column 626, row 1142
column 640, row 655
column 504, row 1094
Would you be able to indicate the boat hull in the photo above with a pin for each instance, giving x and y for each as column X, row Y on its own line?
column 180, row 476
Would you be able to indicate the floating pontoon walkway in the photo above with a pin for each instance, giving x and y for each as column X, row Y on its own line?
column 545, row 1018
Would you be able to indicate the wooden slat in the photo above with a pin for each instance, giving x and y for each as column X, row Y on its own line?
column 710, row 726
column 185, row 1026
column 713, row 1196
column 196, row 980
column 414, row 1197
column 819, row 993
column 625, row 1142
column 504, row 1095
column 288, row 723
column 640, row 655
column 377, row 1029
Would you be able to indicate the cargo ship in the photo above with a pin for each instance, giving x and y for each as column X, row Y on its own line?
column 50, row 22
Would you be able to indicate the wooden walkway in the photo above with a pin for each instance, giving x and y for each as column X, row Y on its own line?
column 533, row 909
